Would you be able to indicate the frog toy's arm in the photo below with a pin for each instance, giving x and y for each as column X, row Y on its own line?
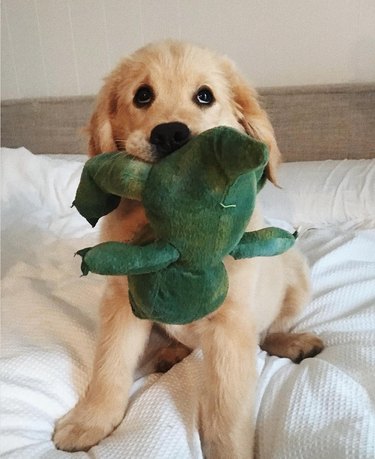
column 265, row 242
column 120, row 258
column 105, row 179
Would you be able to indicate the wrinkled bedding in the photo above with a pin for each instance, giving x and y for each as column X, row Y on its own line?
column 321, row 408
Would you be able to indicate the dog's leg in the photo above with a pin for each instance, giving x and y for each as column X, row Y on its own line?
column 229, row 343
column 278, row 341
column 121, row 342
column 295, row 346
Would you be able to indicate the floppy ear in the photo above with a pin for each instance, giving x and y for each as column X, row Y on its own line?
column 99, row 129
column 252, row 117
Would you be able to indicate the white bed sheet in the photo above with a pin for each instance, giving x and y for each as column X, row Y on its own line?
column 323, row 407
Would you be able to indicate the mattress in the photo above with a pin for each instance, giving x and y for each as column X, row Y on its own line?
column 323, row 407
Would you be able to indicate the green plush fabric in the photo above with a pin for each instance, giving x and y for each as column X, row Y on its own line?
column 262, row 243
column 199, row 201
column 105, row 179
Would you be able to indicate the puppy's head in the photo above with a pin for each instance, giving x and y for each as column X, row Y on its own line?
column 163, row 94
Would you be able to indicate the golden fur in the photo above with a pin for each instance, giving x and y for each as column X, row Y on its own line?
column 264, row 294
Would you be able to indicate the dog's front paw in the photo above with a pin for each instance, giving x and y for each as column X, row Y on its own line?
column 75, row 436
column 81, row 428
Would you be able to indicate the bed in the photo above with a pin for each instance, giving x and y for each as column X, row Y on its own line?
column 324, row 407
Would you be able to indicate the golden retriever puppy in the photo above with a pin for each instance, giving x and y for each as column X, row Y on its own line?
column 150, row 105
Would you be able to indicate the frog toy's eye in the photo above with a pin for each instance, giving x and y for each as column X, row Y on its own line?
column 144, row 96
column 204, row 97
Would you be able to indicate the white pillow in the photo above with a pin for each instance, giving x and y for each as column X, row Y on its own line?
column 43, row 188
column 318, row 193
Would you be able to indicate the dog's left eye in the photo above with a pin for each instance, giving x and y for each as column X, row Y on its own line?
column 204, row 96
column 144, row 96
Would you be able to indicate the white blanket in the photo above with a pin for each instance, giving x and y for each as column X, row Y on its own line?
column 321, row 408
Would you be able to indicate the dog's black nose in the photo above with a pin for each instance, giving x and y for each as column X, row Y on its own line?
column 169, row 137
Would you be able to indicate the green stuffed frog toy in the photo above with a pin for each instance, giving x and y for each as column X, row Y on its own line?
column 198, row 201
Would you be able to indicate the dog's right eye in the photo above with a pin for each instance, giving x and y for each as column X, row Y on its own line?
column 143, row 97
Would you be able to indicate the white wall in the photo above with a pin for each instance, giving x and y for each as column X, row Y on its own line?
column 65, row 47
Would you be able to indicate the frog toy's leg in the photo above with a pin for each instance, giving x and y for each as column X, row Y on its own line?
column 120, row 259
column 266, row 242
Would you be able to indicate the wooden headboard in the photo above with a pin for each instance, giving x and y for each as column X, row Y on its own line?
column 311, row 122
